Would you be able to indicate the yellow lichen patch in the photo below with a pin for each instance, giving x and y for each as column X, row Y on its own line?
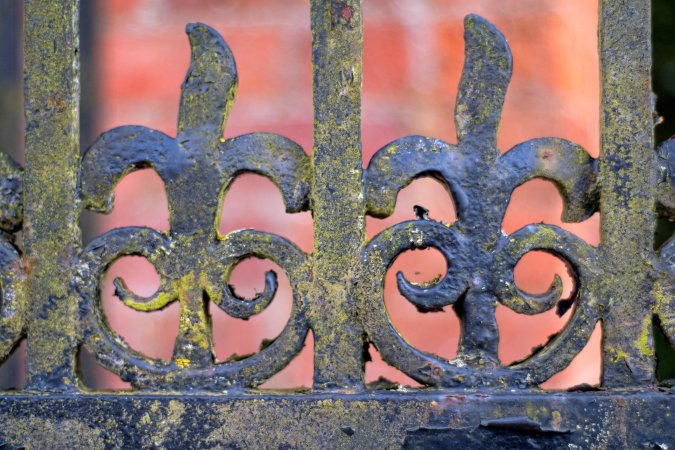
column 556, row 420
column 193, row 321
column 183, row 363
column 616, row 354
column 39, row 433
column 643, row 342
column 153, row 303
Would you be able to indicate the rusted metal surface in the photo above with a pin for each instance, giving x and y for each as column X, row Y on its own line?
column 51, row 288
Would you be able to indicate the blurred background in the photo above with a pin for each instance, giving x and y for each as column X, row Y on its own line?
column 134, row 57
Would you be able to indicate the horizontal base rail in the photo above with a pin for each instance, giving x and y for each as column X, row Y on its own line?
column 429, row 419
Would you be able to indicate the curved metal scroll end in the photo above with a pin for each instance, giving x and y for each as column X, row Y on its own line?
column 546, row 238
column 568, row 165
column 525, row 303
column 485, row 78
column 123, row 150
column 398, row 163
column 561, row 348
column 11, row 201
column 155, row 302
column 109, row 348
column 278, row 158
column 431, row 296
column 664, row 290
column 419, row 234
column 236, row 247
column 13, row 307
column 240, row 307
column 209, row 86
column 665, row 156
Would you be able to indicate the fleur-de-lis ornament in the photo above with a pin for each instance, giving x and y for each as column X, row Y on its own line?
column 480, row 258
column 193, row 260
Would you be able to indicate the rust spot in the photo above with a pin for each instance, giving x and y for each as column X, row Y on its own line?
column 450, row 400
column 347, row 13
column 447, row 401
column 342, row 12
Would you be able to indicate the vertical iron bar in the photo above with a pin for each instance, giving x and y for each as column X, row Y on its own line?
column 627, row 197
column 11, row 13
column 10, row 77
column 51, row 106
column 337, row 201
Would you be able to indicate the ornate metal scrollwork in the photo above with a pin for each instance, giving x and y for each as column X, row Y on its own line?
column 194, row 262
column 50, row 287
column 480, row 258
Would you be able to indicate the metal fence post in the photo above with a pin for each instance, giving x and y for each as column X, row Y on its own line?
column 52, row 236
column 337, row 201
column 627, row 178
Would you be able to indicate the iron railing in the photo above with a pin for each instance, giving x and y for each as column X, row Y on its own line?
column 50, row 284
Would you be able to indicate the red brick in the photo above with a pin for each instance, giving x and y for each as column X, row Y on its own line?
column 385, row 56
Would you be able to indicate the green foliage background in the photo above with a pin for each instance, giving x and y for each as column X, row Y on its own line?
column 664, row 87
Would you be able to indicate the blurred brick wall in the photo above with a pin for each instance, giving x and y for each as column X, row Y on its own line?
column 413, row 54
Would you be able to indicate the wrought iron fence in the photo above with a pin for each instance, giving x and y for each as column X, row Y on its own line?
column 51, row 285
